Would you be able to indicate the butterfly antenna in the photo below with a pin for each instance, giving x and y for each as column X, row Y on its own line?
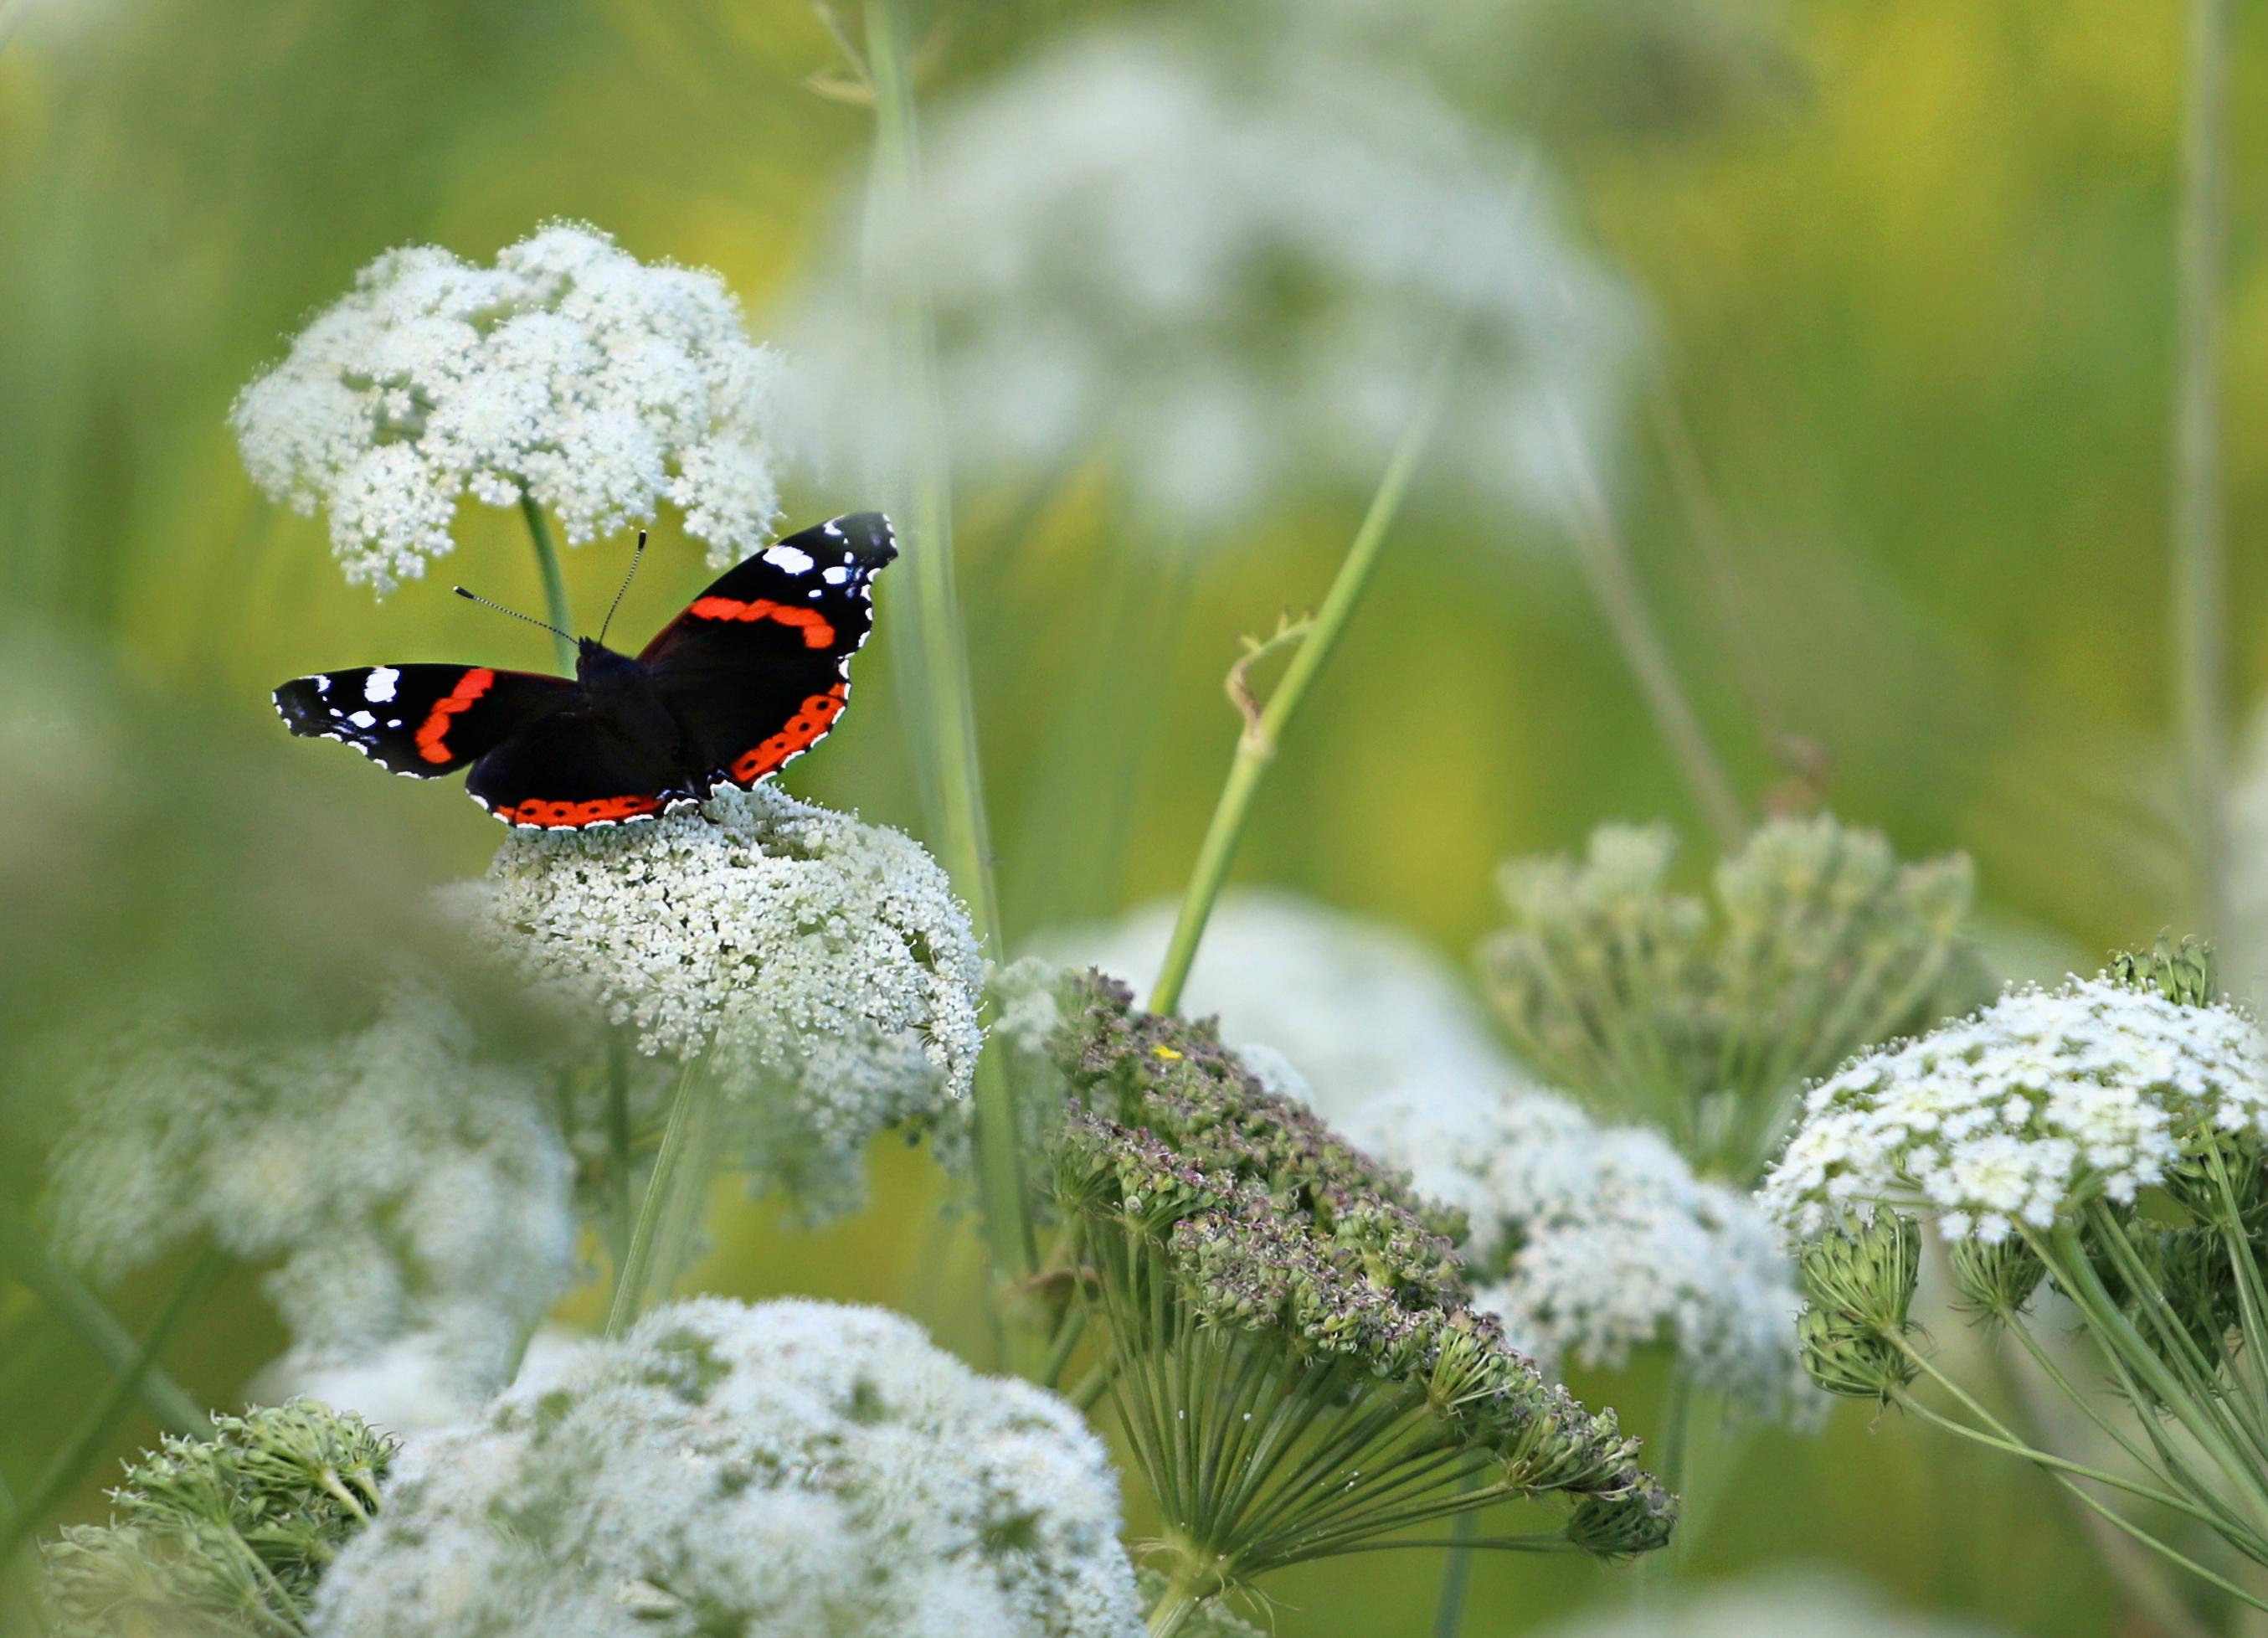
column 475, row 597
column 636, row 558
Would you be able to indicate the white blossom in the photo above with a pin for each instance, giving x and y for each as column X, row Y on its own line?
column 1591, row 1242
column 413, row 1196
column 2023, row 1111
column 821, row 969
column 569, row 372
column 790, row 1470
column 1779, row 1604
column 1229, row 275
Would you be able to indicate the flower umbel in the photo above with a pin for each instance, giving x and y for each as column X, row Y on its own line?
column 1294, row 1351
column 569, row 373
column 823, row 966
column 224, row 1537
column 1707, row 1025
column 790, row 1470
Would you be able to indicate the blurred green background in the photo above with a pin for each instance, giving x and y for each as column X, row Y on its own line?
column 1909, row 269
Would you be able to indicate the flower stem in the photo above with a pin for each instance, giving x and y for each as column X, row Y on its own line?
column 2200, row 576
column 555, row 584
column 952, row 781
column 23, row 1256
column 1456, row 1573
column 1605, row 562
column 1264, row 732
column 70, row 1462
column 619, row 1211
column 671, row 1202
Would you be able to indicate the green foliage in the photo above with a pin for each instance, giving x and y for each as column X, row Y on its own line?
column 221, row 1536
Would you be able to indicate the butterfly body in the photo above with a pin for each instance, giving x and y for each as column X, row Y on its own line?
column 750, row 675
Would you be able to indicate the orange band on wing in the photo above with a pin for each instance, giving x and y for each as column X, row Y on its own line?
column 818, row 632
column 561, row 815
column 806, row 728
column 433, row 732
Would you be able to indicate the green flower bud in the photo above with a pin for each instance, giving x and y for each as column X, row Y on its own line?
column 2186, row 973
column 1996, row 1281
column 1865, row 1278
column 1623, row 1526
column 1850, row 1360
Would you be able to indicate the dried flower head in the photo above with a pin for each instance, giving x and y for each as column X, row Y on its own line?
column 569, row 373
column 1590, row 1242
column 412, row 1192
column 1230, row 273
column 1269, row 1290
column 790, row 1470
column 2031, row 1108
column 823, row 966
column 1638, row 999
column 224, row 1537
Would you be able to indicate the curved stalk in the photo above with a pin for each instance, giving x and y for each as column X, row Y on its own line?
column 1264, row 732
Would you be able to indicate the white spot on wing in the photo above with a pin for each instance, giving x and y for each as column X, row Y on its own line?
column 378, row 688
column 362, row 719
column 322, row 685
column 837, row 575
column 792, row 559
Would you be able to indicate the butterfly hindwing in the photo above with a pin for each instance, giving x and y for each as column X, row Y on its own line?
column 575, row 769
column 421, row 721
column 758, row 667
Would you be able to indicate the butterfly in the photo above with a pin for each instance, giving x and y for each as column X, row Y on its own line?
column 751, row 676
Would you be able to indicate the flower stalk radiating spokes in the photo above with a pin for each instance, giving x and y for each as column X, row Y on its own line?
column 555, row 584
column 2104, row 1139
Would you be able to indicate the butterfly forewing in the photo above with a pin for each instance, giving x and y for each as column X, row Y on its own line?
column 758, row 667
column 419, row 720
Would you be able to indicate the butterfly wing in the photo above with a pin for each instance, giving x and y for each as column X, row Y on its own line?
column 758, row 667
column 576, row 769
column 420, row 721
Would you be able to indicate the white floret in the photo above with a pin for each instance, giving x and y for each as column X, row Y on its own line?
column 790, row 1470
column 823, row 966
column 2026, row 1110
column 569, row 372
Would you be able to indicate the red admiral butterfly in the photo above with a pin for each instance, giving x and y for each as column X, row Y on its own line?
column 750, row 677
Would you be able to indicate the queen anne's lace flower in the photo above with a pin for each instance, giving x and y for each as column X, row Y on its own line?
column 823, row 966
column 1589, row 1241
column 1233, row 274
column 792, row 1470
column 413, row 1196
column 569, row 372
column 2037, row 1103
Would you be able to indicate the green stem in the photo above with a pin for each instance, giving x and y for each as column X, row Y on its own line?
column 555, row 584
column 70, row 1462
column 619, row 1210
column 2199, row 573
column 1677, row 1441
column 1456, row 1573
column 23, row 1254
column 1174, row 1606
column 952, row 781
column 671, row 1196
column 1264, row 734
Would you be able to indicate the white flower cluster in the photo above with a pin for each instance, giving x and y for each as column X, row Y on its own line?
column 1229, row 275
column 823, row 966
column 413, row 1198
column 1590, row 1242
column 1362, row 1010
column 570, row 372
column 1804, row 1604
column 790, row 1470
column 2039, row 1103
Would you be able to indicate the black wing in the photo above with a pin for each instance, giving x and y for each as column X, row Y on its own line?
column 421, row 721
column 574, row 770
column 758, row 668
